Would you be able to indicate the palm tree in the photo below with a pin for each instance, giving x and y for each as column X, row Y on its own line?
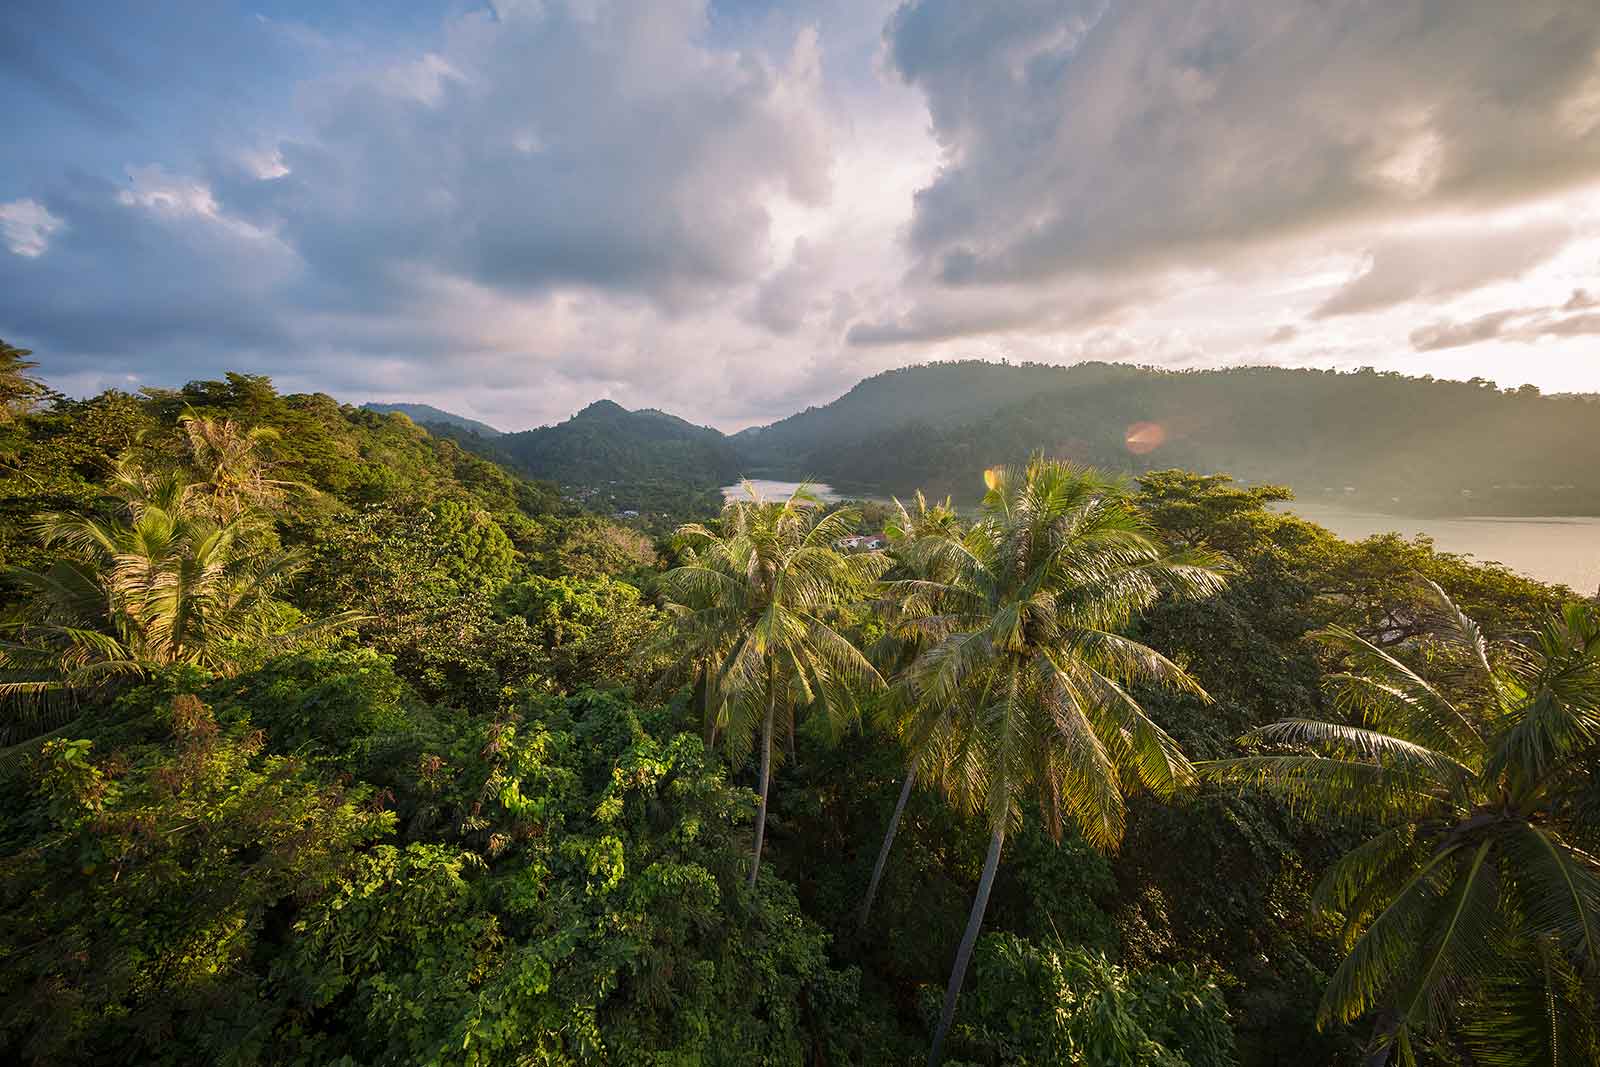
column 761, row 595
column 915, row 537
column 231, row 465
column 1021, row 690
column 1480, row 884
column 161, row 581
column 19, row 391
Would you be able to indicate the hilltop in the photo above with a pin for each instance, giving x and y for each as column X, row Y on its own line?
column 934, row 392
column 605, row 442
column 428, row 415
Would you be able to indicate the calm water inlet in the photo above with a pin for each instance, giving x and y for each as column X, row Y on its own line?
column 1554, row 548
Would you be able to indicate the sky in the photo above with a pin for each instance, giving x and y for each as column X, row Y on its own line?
column 733, row 210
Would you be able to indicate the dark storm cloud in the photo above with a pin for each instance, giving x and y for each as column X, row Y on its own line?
column 1085, row 136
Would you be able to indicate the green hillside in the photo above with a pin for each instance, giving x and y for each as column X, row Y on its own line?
column 606, row 442
column 939, row 392
column 428, row 415
column 1378, row 441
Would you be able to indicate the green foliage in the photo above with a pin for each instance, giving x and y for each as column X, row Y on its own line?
column 1020, row 691
column 425, row 581
column 1049, row 1003
column 336, row 699
column 755, row 607
column 597, row 630
column 450, row 835
column 587, row 547
column 1472, row 781
column 19, row 391
column 155, row 879
column 180, row 571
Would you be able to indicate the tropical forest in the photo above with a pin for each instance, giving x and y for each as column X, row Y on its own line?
column 330, row 740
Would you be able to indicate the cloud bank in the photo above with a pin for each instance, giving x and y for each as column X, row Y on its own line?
column 734, row 212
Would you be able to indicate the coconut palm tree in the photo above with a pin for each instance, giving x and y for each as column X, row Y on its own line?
column 761, row 594
column 231, row 466
column 1021, row 691
column 160, row 581
column 1480, row 885
column 19, row 391
column 915, row 535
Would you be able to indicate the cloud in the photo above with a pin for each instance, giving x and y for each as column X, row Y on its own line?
column 796, row 291
column 1580, row 300
column 925, row 319
column 25, row 32
column 1525, row 325
column 26, row 226
column 554, row 146
column 732, row 211
column 1428, row 263
column 1572, row 326
column 1459, row 334
column 1086, row 136
column 553, row 163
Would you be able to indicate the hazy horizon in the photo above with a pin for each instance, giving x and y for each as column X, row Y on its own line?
column 745, row 425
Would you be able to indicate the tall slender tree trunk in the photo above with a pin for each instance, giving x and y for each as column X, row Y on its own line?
column 958, row 973
column 766, row 777
column 888, row 843
column 708, row 729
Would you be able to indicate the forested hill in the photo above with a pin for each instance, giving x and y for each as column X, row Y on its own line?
column 950, row 392
column 606, row 442
column 1379, row 441
column 428, row 415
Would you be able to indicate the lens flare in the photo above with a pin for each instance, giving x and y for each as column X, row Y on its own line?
column 1144, row 437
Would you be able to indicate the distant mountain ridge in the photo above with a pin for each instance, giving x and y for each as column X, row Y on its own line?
column 427, row 414
column 1363, row 440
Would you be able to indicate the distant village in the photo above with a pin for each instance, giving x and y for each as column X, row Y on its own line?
column 860, row 543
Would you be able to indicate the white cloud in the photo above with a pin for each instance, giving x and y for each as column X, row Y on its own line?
column 26, row 226
column 1433, row 261
column 1076, row 140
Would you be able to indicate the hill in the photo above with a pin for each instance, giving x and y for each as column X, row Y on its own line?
column 606, row 442
column 428, row 415
column 1362, row 440
column 1368, row 440
column 934, row 392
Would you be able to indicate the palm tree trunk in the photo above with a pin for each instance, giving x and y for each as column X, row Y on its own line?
column 888, row 842
column 708, row 729
column 958, row 973
column 766, row 778
column 792, row 760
